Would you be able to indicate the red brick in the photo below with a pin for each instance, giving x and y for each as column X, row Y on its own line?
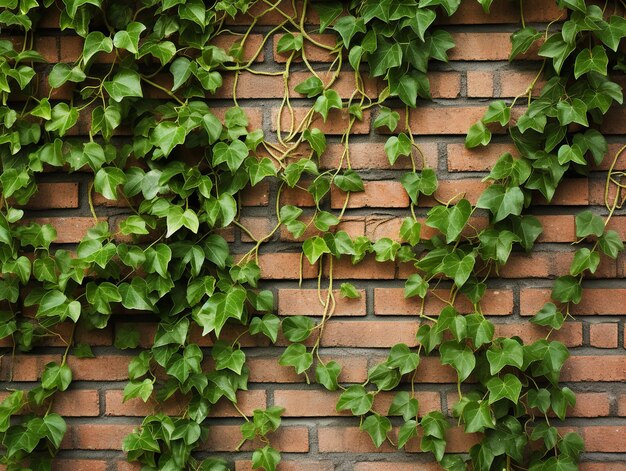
column 559, row 228
column 391, row 301
column 373, row 334
column 443, row 120
column 480, row 84
column 613, row 122
column 297, row 196
column 74, row 403
column 461, row 159
column 252, row 46
column 353, row 440
column 571, row 334
column 516, row 83
column 595, row 301
column 96, row 436
column 535, row 11
column 62, row 195
column 302, row 465
column 306, row 302
column 311, row 403
column 267, row 370
column 606, row 466
column 286, row 266
column 257, row 195
column 259, row 227
column 377, row 194
column 257, row 86
column 313, row 52
column 484, row 47
column 367, row 269
column 337, row 122
column 70, row 230
column 286, row 439
column 595, row 368
column 247, row 402
column 371, row 155
column 79, row 465
column 605, row 438
column 603, row 335
column 393, row 466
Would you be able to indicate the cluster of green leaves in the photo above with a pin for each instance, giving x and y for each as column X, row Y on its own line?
column 395, row 39
column 180, row 168
column 558, row 132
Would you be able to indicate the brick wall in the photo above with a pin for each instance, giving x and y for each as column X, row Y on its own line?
column 315, row 437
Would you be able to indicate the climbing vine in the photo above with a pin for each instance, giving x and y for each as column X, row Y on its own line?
column 152, row 140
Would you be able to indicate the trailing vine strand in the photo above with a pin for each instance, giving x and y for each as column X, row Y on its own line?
column 135, row 114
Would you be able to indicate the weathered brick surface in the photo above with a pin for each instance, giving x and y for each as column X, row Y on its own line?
column 317, row 437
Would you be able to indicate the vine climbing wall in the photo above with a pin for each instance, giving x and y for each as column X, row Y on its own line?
column 223, row 247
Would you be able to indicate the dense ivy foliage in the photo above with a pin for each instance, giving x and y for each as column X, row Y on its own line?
column 154, row 142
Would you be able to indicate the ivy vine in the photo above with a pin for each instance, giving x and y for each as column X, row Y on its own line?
column 139, row 94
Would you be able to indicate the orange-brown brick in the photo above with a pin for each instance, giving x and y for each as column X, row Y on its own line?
column 603, row 335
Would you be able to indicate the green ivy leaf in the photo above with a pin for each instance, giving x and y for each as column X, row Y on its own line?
column 549, row 316
column 259, row 169
column 349, row 181
column 96, row 42
column 501, row 201
column 591, row 60
column 507, row 353
column 521, row 41
column 167, row 135
column 556, row 49
column 297, row 356
column 403, row 359
column 584, row 259
column 129, row 39
column 508, row 387
column 611, row 244
column 289, row 42
column 356, row 399
column 310, row 87
column 268, row 325
column 478, row 416
column 266, row 458
column 327, row 375
column 142, row 389
column 316, row 139
column 574, row 112
column 612, row 32
column 126, row 83
column 415, row 286
column 405, row 405
column 56, row 376
column 567, row 289
column 397, row 146
column 297, row 328
column 459, row 356
column 314, row 248
column 107, row 180
column 420, row 183
column 328, row 100
column 327, row 13
column 62, row 73
column 63, row 118
column 348, row 290
column 377, row 426
column 477, row 135
column 232, row 154
column 588, row 224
